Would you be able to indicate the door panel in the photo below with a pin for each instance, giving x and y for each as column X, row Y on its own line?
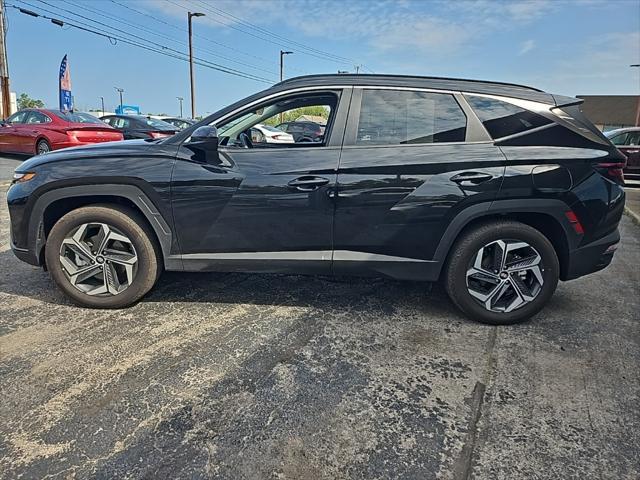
column 249, row 211
column 397, row 201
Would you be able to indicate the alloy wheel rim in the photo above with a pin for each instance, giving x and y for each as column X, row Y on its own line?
column 42, row 148
column 98, row 259
column 505, row 275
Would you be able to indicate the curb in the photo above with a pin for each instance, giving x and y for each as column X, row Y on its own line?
column 635, row 218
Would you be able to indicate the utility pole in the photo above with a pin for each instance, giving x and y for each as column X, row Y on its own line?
column 120, row 91
column 102, row 102
column 180, row 99
column 193, row 89
column 357, row 69
column 4, row 67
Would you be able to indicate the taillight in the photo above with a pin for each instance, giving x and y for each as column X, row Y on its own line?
column 575, row 223
column 158, row 134
column 73, row 135
column 612, row 170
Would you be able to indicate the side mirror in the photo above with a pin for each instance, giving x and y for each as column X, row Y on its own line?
column 206, row 134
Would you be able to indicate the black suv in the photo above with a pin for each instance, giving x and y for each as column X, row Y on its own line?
column 497, row 189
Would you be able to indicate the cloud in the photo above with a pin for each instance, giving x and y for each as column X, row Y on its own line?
column 383, row 25
column 526, row 47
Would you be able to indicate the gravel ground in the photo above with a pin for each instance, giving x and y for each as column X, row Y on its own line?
column 253, row 376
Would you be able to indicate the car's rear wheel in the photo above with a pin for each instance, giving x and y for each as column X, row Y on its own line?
column 502, row 272
column 42, row 147
column 102, row 256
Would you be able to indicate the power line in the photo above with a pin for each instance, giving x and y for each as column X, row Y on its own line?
column 202, row 37
column 275, row 35
column 152, row 43
column 163, row 35
column 156, row 48
column 280, row 44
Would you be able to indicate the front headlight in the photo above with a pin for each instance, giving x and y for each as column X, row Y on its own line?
column 20, row 177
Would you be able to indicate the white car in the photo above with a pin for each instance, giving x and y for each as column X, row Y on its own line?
column 267, row 134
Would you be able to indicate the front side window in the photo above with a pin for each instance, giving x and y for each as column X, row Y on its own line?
column 389, row 117
column 289, row 114
column 18, row 117
column 502, row 119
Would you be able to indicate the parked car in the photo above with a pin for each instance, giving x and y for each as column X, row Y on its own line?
column 303, row 132
column 628, row 142
column 179, row 123
column 139, row 126
column 478, row 190
column 37, row 131
column 268, row 134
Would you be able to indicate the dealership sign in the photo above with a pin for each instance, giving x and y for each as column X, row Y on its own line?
column 66, row 100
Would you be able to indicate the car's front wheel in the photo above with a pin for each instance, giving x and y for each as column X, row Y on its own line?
column 502, row 272
column 102, row 256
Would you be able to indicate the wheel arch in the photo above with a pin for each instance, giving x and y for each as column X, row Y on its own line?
column 52, row 205
column 546, row 216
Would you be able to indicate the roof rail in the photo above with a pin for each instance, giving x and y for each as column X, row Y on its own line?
column 416, row 77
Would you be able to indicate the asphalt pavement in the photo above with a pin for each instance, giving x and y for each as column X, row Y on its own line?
column 287, row 377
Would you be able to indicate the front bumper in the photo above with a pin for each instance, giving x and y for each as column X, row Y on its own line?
column 592, row 257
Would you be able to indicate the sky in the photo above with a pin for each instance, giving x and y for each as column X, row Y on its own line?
column 569, row 47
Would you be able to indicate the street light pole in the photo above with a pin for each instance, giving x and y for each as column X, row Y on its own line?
column 120, row 91
column 180, row 99
column 282, row 54
column 637, row 65
column 102, row 101
column 193, row 94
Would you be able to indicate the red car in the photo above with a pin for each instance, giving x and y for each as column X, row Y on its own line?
column 36, row 131
column 628, row 142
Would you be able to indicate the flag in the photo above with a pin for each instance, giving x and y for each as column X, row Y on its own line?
column 66, row 101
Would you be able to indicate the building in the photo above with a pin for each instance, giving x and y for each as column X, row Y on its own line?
column 608, row 112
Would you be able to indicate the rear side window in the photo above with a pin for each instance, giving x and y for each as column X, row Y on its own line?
column 37, row 117
column 390, row 117
column 502, row 119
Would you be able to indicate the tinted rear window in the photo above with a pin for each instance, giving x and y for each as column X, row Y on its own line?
column 389, row 117
column 502, row 119
column 76, row 117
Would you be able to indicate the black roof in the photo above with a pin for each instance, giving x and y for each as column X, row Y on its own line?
column 455, row 84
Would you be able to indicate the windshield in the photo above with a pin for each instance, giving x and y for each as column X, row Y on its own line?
column 77, row 117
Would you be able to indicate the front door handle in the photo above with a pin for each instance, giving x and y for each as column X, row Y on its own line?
column 471, row 177
column 308, row 183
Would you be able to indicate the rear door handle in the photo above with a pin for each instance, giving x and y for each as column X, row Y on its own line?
column 308, row 183
column 471, row 177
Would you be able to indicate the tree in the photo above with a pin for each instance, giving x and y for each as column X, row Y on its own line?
column 25, row 101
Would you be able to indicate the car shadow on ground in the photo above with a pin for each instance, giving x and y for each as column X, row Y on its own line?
column 323, row 292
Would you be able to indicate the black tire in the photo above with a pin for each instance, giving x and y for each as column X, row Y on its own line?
column 463, row 254
column 42, row 146
column 131, row 224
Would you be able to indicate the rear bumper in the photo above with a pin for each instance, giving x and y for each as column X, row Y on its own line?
column 592, row 257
